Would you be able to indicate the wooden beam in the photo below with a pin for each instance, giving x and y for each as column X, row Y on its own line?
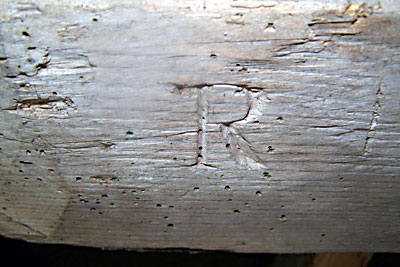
column 248, row 126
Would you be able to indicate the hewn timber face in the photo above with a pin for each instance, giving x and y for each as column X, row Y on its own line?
column 248, row 126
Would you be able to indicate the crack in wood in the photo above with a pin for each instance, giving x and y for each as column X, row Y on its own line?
column 28, row 7
column 320, row 45
column 181, row 86
column 339, row 21
column 38, row 101
column 251, row 5
column 374, row 121
column 24, row 224
column 104, row 178
column 351, row 14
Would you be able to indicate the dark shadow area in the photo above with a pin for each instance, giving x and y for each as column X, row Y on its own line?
column 64, row 255
column 385, row 260
column 21, row 253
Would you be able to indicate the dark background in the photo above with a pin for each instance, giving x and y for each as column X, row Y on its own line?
column 17, row 253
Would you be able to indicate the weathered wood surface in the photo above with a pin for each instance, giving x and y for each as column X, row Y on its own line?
column 248, row 126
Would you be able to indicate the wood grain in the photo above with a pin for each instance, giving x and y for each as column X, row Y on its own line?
column 248, row 126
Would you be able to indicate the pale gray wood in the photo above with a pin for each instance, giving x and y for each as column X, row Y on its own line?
column 248, row 126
